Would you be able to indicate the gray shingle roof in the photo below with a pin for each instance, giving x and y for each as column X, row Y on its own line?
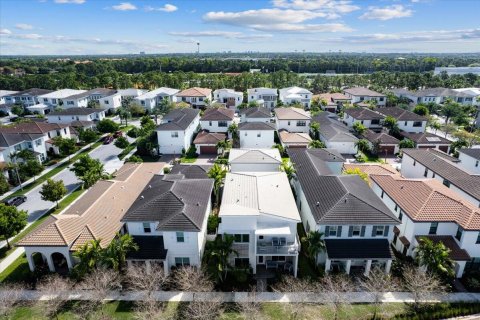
column 400, row 114
column 383, row 137
column 75, row 112
column 32, row 92
column 104, row 92
column 447, row 170
column 191, row 171
column 178, row 119
column 362, row 91
column 425, row 138
column 10, row 139
column 215, row 114
column 361, row 113
column 472, row 152
column 256, row 126
column 333, row 199
column 333, row 130
column 358, row 249
column 256, row 112
column 177, row 204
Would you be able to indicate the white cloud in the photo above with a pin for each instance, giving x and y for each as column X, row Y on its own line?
column 390, row 12
column 166, row 8
column 5, row 31
column 341, row 6
column 23, row 26
column 124, row 6
column 224, row 34
column 70, row 1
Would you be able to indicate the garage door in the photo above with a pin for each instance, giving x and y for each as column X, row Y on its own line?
column 388, row 149
column 443, row 148
column 208, row 150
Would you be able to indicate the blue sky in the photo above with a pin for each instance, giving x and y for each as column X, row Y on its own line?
column 159, row 26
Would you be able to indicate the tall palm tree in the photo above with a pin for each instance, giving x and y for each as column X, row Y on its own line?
column 223, row 145
column 315, row 244
column 217, row 173
column 219, row 253
column 315, row 128
column 435, row 257
column 288, row 169
column 89, row 255
column 14, row 165
column 233, row 131
column 115, row 254
column 316, row 144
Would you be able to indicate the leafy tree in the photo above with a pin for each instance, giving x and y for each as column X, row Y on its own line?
column 53, row 190
column 421, row 110
column 435, row 125
column 315, row 128
column 12, row 221
column 32, row 168
column 124, row 114
column 219, row 253
column 135, row 159
column 406, row 143
column 450, row 109
column 87, row 135
column 25, row 155
column 114, row 256
column 223, row 145
column 252, row 104
column 89, row 256
column 435, row 257
column 314, row 244
column 4, row 186
column 471, row 138
column 107, row 126
column 456, row 145
column 316, row 144
column 136, row 110
column 359, row 128
column 449, row 128
column 133, row 133
column 17, row 110
column 359, row 173
column 217, row 173
column 362, row 145
column 392, row 124
column 88, row 170
column 147, row 124
column 67, row 146
column 121, row 142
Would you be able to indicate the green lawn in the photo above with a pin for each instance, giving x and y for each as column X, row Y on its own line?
column 18, row 271
column 187, row 160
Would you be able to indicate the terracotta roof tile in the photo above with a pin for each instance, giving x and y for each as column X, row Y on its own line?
column 195, row 92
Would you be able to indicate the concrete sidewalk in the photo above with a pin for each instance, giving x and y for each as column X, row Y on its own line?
column 239, row 297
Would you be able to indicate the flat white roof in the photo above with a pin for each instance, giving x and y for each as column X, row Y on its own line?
column 6, row 92
column 254, row 156
column 264, row 230
column 258, row 193
column 39, row 106
column 62, row 93
column 159, row 91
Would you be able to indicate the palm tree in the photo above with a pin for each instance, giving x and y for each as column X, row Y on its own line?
column 315, row 127
column 89, row 255
column 233, row 131
column 359, row 128
column 435, row 257
column 217, row 173
column 362, row 145
column 314, row 244
column 288, row 169
column 219, row 253
column 435, row 125
column 124, row 114
column 223, row 145
column 115, row 254
column 14, row 165
column 316, row 144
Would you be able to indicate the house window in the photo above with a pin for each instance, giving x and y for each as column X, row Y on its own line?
column 301, row 123
column 38, row 142
column 476, row 163
column 400, row 216
column 356, row 231
column 180, row 236
column 242, row 262
column 333, row 231
column 383, row 193
column 433, row 175
column 242, row 238
column 425, row 174
column 182, row 261
column 406, row 122
column 379, row 230
column 288, row 123
column 433, row 228
column 396, row 207
column 278, row 258
column 45, row 99
column 446, row 183
column 58, row 133
column 259, row 134
column 210, row 123
column 459, row 233
column 105, row 101
column 146, row 227
column 375, row 121
column 69, row 102
column 222, row 123
column 65, row 130
column 417, row 123
column 245, row 134
column 381, row 99
column 174, row 134
column 478, row 238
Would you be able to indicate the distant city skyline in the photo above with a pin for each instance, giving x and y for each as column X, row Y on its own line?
column 76, row 27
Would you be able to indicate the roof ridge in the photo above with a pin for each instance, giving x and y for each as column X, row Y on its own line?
column 60, row 232
column 370, row 205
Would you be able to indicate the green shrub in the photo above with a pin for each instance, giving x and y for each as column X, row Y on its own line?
column 167, row 170
column 221, row 161
column 191, row 152
column 133, row 133
column 212, row 224
column 134, row 158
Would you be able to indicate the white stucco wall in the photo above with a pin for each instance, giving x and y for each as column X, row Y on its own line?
column 250, row 138
column 291, row 125
column 469, row 164
column 212, row 126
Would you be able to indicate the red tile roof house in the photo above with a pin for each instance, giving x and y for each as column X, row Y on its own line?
column 195, row 96
column 334, row 101
column 429, row 209
column 206, row 142
column 48, row 130
column 217, row 119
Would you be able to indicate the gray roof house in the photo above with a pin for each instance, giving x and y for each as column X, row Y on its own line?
column 254, row 160
column 335, row 134
column 255, row 114
column 358, row 226
column 175, row 132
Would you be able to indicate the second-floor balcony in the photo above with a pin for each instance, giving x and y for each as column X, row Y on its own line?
column 278, row 245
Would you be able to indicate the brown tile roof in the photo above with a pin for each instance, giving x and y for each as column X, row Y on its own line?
column 295, row 138
column 383, row 137
column 400, row 114
column 33, row 127
column 456, row 253
column 373, row 168
column 100, row 218
column 204, row 137
column 330, row 97
column 429, row 200
column 218, row 114
column 291, row 114
column 195, row 92
column 362, row 91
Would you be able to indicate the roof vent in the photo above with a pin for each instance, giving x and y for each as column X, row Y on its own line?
column 345, row 200
column 142, row 197
column 149, row 186
column 318, row 204
column 401, row 187
column 198, row 204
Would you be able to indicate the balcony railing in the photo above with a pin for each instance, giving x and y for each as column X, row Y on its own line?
column 269, row 248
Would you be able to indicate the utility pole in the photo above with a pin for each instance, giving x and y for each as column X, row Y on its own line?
column 198, row 47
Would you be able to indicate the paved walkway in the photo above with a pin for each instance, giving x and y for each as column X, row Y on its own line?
column 239, row 297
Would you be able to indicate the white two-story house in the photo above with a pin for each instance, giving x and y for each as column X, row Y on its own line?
column 433, row 164
column 76, row 114
column 217, row 119
column 196, row 97
column 11, row 143
column 469, row 160
column 6, row 97
column 229, row 97
column 370, row 119
column 65, row 98
column 175, row 132
column 258, row 209
column 153, row 98
column 28, row 97
column 293, row 95
column 106, row 98
column 265, row 97
column 168, row 220
column 361, row 94
column 256, row 134
column 426, row 208
column 256, row 114
column 407, row 121
column 357, row 225
column 292, row 120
